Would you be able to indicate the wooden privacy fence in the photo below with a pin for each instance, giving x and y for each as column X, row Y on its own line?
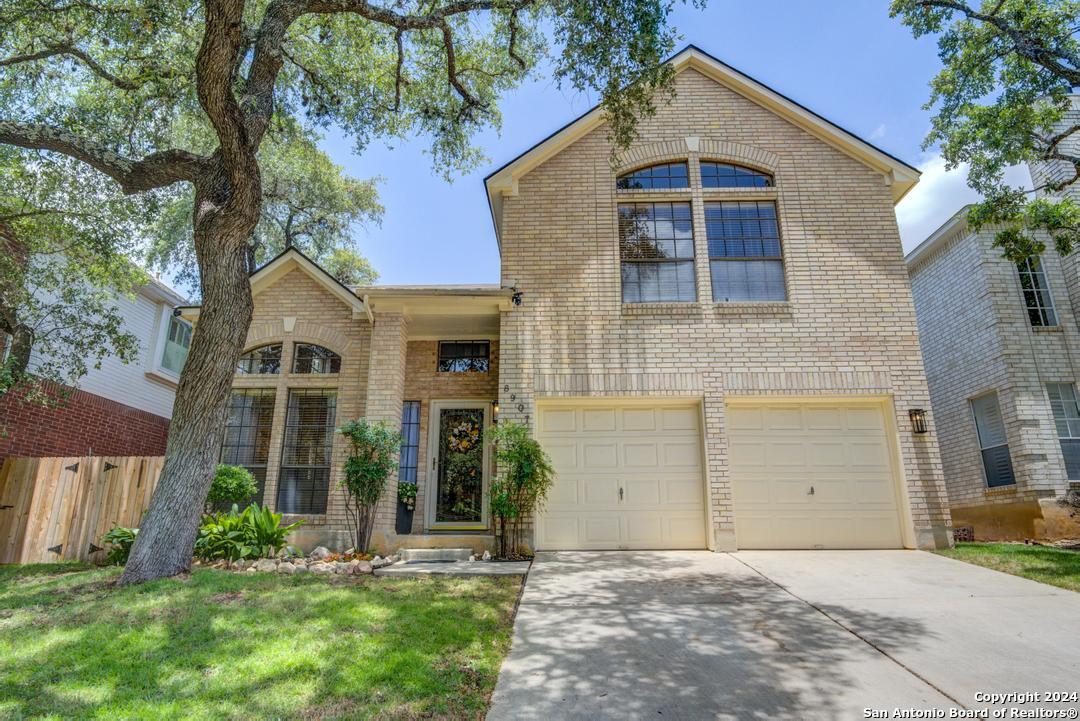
column 57, row 509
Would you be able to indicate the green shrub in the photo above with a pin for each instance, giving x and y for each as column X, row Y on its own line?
column 373, row 456
column 232, row 485
column 254, row 533
column 119, row 540
column 524, row 477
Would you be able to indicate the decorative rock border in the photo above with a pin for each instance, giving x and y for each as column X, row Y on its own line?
column 291, row 562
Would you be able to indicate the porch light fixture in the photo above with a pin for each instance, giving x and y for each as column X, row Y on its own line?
column 918, row 420
column 495, row 411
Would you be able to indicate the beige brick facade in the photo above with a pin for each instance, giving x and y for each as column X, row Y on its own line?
column 846, row 330
column 976, row 338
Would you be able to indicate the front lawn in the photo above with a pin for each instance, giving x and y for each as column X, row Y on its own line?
column 226, row 645
column 1055, row 566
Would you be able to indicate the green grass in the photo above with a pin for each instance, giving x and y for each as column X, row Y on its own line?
column 1055, row 566
column 225, row 645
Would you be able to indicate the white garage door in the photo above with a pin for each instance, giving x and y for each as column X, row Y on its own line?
column 627, row 476
column 812, row 476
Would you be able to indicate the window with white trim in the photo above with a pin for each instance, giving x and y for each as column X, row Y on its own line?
column 993, row 444
column 1066, row 408
column 745, row 259
column 1036, row 293
column 656, row 246
column 177, row 343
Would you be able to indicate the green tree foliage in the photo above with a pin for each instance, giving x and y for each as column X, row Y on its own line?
column 373, row 456
column 182, row 96
column 62, row 272
column 521, row 485
column 309, row 203
column 231, row 485
column 1009, row 66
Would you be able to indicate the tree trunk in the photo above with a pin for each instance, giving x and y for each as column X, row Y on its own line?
column 168, row 530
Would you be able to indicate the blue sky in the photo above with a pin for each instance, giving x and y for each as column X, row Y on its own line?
column 846, row 60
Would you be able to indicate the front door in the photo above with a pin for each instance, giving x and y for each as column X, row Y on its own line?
column 459, row 459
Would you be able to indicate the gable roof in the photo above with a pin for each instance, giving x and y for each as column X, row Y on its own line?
column 900, row 175
column 285, row 262
column 957, row 222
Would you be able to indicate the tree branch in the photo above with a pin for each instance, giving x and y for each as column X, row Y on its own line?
column 70, row 50
column 156, row 170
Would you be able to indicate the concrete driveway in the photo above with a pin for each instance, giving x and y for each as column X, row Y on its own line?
column 779, row 634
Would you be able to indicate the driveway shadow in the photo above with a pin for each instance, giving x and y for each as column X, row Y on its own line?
column 689, row 635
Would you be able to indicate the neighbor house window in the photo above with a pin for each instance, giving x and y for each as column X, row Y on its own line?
column 656, row 177
column 458, row 356
column 744, row 251
column 263, row 360
column 247, row 433
column 1036, row 292
column 304, row 481
column 308, row 358
column 410, row 441
column 725, row 175
column 993, row 445
column 177, row 343
column 1066, row 410
column 656, row 246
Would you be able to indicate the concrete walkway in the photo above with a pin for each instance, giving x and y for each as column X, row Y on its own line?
column 778, row 634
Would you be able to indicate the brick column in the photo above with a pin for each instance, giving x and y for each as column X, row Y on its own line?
column 386, row 390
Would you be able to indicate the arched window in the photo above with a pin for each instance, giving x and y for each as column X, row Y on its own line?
column 726, row 175
column 656, row 177
column 261, row 360
column 310, row 358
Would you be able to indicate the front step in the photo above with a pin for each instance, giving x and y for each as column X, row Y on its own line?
column 420, row 555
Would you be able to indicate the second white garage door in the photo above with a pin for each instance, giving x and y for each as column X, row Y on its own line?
column 627, row 476
column 812, row 476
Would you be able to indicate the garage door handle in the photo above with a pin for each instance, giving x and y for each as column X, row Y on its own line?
column 620, row 494
column 811, row 490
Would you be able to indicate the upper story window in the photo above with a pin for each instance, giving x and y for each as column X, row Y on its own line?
column 1036, row 292
column 310, row 358
column 464, row 356
column 1066, row 410
column 264, row 359
column 656, row 247
column 177, row 343
column 745, row 259
column 656, row 177
column 726, row 175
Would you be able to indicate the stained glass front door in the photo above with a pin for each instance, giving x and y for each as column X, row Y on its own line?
column 460, row 473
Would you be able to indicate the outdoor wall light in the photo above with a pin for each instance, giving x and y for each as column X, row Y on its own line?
column 918, row 420
column 495, row 411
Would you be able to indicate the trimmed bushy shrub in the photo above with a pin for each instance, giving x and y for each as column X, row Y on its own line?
column 232, row 485
column 521, row 484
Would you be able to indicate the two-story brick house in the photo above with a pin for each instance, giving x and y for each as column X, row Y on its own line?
column 1001, row 346
column 712, row 336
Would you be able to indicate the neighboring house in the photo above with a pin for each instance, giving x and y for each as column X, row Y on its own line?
column 118, row 409
column 714, row 340
column 1001, row 346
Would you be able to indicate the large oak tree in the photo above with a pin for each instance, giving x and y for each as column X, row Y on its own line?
column 1002, row 98
column 113, row 84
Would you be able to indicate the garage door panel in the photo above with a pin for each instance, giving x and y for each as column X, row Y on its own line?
column 653, row 453
column 839, row 451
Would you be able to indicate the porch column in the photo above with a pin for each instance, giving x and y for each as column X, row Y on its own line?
column 386, row 391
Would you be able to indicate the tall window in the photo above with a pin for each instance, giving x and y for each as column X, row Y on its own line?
column 304, row 481
column 1036, row 292
column 725, row 175
column 308, row 358
column 993, row 445
column 177, row 343
column 410, row 441
column 656, row 245
column 265, row 359
column 1063, row 403
column 464, row 356
column 247, row 433
column 744, row 251
column 656, row 177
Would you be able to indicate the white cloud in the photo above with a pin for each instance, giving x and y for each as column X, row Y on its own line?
column 879, row 132
column 937, row 197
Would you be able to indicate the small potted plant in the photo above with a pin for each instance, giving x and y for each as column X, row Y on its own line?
column 406, row 505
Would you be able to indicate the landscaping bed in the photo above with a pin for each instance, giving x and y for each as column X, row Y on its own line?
column 1055, row 565
column 217, row 644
